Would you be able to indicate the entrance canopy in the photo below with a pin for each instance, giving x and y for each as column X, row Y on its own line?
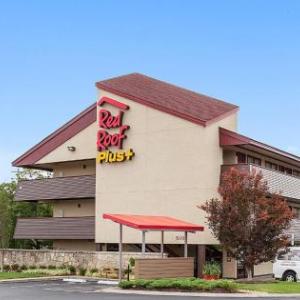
column 143, row 222
column 151, row 223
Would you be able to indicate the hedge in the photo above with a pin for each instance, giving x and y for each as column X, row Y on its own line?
column 190, row 284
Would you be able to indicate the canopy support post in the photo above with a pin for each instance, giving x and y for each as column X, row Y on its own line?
column 162, row 244
column 185, row 244
column 143, row 242
column 120, row 252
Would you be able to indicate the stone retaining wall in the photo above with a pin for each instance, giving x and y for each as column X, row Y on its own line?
column 58, row 258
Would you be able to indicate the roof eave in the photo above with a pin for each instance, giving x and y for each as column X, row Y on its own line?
column 244, row 140
column 30, row 157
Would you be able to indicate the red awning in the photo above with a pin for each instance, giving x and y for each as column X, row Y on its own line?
column 143, row 222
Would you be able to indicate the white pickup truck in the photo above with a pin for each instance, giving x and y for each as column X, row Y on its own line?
column 287, row 264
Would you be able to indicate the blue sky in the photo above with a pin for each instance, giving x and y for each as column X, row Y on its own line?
column 52, row 53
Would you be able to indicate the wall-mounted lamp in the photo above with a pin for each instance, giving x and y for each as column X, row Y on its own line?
column 71, row 148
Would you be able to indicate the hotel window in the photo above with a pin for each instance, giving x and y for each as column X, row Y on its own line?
column 289, row 171
column 296, row 173
column 296, row 212
column 285, row 170
column 241, row 158
column 271, row 166
column 253, row 160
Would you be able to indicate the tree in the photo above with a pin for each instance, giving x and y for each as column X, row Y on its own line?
column 249, row 220
column 10, row 210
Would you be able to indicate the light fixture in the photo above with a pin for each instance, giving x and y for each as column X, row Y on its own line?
column 71, row 148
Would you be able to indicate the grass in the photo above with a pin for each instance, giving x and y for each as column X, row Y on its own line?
column 46, row 272
column 200, row 285
column 33, row 273
column 278, row 287
column 188, row 284
column 16, row 275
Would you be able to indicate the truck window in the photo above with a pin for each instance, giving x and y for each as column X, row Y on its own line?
column 283, row 254
column 289, row 254
column 295, row 255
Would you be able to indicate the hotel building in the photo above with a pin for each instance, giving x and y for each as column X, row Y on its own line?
column 146, row 147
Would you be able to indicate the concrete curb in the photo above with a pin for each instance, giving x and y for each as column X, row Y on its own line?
column 33, row 279
column 75, row 279
column 116, row 290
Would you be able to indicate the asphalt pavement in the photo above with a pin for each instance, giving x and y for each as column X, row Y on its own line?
column 59, row 290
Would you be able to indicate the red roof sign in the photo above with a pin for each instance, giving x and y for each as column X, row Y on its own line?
column 143, row 222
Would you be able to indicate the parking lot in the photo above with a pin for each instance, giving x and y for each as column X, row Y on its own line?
column 59, row 290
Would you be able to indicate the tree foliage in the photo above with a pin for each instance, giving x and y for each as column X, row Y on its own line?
column 10, row 210
column 249, row 220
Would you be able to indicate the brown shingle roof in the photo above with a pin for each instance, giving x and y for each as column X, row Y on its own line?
column 71, row 187
column 72, row 228
column 169, row 98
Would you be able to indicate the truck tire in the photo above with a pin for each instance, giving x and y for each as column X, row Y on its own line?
column 289, row 276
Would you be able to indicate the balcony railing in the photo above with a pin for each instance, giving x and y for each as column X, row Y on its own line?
column 287, row 185
column 72, row 187
column 75, row 228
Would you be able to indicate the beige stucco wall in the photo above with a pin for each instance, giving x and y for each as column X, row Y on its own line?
column 229, row 266
column 176, row 168
column 263, row 269
column 77, row 168
column 84, row 142
column 74, row 208
column 74, row 245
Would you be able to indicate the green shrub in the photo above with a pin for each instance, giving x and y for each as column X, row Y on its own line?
column 32, row 267
column 64, row 267
column 42, row 267
column 188, row 284
column 82, row 271
column 15, row 268
column 23, row 268
column 94, row 270
column 72, row 270
column 126, row 284
column 131, row 262
column 52, row 267
column 6, row 268
column 212, row 268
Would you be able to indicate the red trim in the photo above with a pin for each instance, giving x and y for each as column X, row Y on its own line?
column 57, row 138
column 143, row 222
column 112, row 102
column 231, row 138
